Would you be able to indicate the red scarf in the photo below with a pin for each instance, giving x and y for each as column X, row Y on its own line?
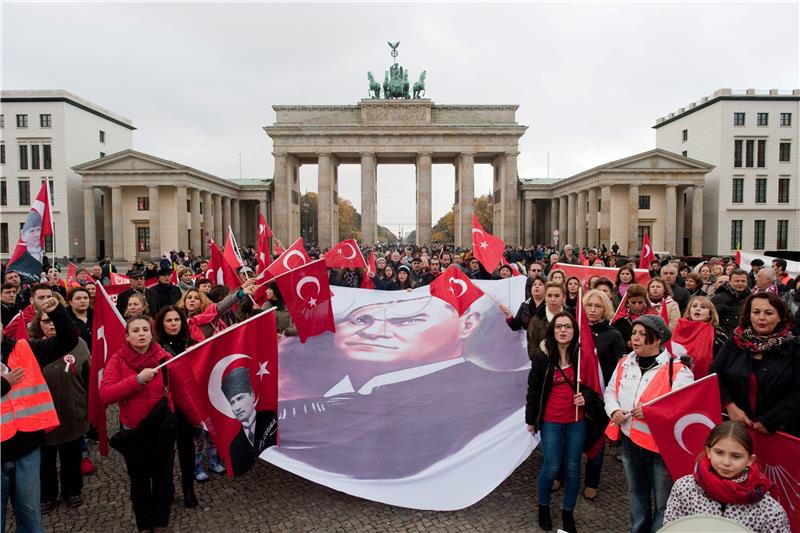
column 748, row 488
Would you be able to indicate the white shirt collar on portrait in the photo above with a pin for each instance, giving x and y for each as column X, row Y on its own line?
column 345, row 385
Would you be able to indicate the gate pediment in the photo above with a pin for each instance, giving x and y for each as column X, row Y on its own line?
column 395, row 113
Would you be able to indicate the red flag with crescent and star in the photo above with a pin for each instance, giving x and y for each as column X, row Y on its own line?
column 293, row 257
column 232, row 378
column 264, row 234
column 487, row 248
column 108, row 336
column 220, row 271
column 455, row 288
column 366, row 281
column 681, row 420
column 26, row 260
column 589, row 374
column 231, row 251
column 778, row 455
column 647, row 254
column 346, row 254
column 307, row 294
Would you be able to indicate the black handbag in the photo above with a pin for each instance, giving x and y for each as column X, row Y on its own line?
column 155, row 431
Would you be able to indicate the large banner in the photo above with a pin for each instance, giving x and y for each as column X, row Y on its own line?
column 407, row 403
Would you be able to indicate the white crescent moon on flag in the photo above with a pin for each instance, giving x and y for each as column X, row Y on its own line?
column 352, row 249
column 476, row 230
column 290, row 254
column 215, row 395
column 461, row 283
column 687, row 420
column 646, row 249
column 308, row 279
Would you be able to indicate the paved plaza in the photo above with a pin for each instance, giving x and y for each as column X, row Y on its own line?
column 270, row 499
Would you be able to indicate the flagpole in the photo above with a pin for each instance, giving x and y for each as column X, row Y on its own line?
column 241, row 261
column 580, row 310
column 206, row 341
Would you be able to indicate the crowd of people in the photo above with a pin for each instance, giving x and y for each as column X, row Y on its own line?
column 747, row 317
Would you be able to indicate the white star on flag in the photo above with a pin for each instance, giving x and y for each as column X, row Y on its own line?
column 262, row 369
column 312, row 302
column 339, row 251
column 484, row 244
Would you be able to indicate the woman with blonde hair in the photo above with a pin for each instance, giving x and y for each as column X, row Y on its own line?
column 698, row 331
column 204, row 317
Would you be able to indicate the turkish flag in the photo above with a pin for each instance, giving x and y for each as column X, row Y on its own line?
column 119, row 279
column 585, row 273
column 622, row 309
column 264, row 234
column 589, row 372
column 231, row 252
column 366, row 281
column 295, row 256
column 487, row 248
column 307, row 294
column 582, row 258
column 455, row 288
column 697, row 339
column 681, row 420
column 647, row 254
column 17, row 328
column 232, row 377
column 778, row 455
column 29, row 251
column 72, row 274
column 108, row 336
column 346, row 254
column 220, row 270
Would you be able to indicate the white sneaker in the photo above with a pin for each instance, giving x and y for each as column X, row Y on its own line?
column 201, row 476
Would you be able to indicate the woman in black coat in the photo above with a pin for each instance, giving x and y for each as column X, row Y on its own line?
column 759, row 368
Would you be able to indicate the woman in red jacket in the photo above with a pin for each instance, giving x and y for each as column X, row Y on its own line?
column 130, row 379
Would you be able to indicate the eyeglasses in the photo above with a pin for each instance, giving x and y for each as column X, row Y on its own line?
column 45, row 321
column 562, row 326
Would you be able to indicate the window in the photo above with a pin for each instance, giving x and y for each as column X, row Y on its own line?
column 736, row 234
column 737, row 153
column 762, row 119
column 102, row 155
column 24, row 192
column 685, row 153
column 640, row 233
column 46, row 156
column 35, row 157
column 784, row 151
column 762, row 153
column 46, row 121
column 644, row 202
column 738, row 191
column 685, row 135
column 143, row 203
column 143, row 239
column 783, row 190
column 748, row 152
column 2, row 154
column 103, row 140
column 761, row 190
column 3, row 192
column 2, row 121
column 786, row 119
column 4, row 238
column 188, row 206
column 22, row 121
column 23, row 157
column 201, row 205
column 738, row 119
column 758, row 234
column 783, row 235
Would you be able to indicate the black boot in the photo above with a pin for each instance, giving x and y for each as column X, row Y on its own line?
column 189, row 497
column 545, row 522
column 568, row 520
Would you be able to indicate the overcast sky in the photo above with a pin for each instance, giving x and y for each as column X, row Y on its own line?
column 199, row 80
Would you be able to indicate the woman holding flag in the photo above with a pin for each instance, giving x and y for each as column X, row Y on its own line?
column 660, row 296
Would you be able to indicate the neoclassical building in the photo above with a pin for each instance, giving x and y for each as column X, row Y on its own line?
column 139, row 205
column 655, row 191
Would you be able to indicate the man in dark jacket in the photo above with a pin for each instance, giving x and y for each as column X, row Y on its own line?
column 8, row 302
column 729, row 298
column 669, row 273
column 21, row 457
column 164, row 292
column 137, row 287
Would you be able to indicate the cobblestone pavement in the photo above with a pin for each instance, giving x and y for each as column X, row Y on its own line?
column 270, row 499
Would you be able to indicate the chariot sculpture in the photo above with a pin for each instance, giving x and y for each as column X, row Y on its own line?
column 395, row 81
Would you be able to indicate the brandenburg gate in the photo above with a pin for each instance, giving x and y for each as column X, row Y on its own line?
column 390, row 130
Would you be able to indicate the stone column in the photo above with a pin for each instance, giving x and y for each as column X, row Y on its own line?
column 633, row 220
column 679, row 223
column 208, row 222
column 116, row 216
column 219, row 234
column 528, row 222
column 180, row 210
column 325, row 201
column 670, row 219
column 155, row 222
column 580, row 224
column 226, row 216
column 90, row 224
column 236, row 218
column 510, row 200
column 197, row 233
column 697, row 220
column 592, row 212
column 605, row 215
column 466, row 199
column 424, row 214
column 369, row 199
column 562, row 221
column 282, row 188
column 553, row 220
column 571, row 218
column 108, row 232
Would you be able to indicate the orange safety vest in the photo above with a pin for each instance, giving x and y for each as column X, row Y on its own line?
column 658, row 386
column 28, row 406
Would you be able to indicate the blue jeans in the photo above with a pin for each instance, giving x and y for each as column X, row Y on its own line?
column 646, row 474
column 21, row 485
column 561, row 442
column 594, row 465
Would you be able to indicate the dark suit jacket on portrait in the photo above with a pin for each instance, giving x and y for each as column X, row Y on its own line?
column 243, row 454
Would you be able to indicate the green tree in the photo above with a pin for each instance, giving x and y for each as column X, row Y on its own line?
column 349, row 220
column 484, row 209
column 444, row 230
